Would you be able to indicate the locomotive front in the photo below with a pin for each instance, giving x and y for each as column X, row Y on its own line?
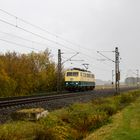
column 79, row 79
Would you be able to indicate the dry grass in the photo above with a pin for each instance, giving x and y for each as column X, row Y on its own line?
column 103, row 132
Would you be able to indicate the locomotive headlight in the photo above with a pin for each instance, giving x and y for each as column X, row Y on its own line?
column 66, row 83
column 76, row 83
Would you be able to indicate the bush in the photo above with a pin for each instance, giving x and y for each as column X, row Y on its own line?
column 110, row 109
column 78, row 119
column 56, row 129
column 135, row 93
column 19, row 130
column 83, row 118
column 60, row 133
column 51, row 121
column 126, row 98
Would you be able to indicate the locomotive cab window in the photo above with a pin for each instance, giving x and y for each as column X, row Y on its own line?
column 72, row 73
column 69, row 73
column 75, row 73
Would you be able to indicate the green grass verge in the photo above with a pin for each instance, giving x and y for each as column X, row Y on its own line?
column 125, row 125
column 129, row 126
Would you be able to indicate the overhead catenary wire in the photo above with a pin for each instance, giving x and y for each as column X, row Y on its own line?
column 17, row 18
column 44, row 30
column 35, row 34
column 31, row 41
column 106, row 56
column 17, row 44
column 40, row 36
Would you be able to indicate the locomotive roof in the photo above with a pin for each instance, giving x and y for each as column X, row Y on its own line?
column 80, row 69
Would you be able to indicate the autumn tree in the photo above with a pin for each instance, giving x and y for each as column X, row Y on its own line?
column 25, row 74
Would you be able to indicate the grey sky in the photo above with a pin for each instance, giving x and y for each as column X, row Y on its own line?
column 96, row 25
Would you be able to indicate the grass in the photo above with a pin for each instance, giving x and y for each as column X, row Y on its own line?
column 76, row 121
column 129, row 127
column 20, row 131
column 125, row 125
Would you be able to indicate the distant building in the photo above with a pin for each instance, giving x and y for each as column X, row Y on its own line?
column 132, row 81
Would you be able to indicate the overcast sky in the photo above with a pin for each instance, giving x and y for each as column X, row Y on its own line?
column 94, row 25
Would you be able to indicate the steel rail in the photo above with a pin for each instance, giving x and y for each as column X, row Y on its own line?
column 36, row 99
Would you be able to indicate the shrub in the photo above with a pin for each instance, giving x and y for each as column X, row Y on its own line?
column 83, row 118
column 19, row 130
column 60, row 133
column 135, row 93
column 126, row 98
column 51, row 121
column 110, row 109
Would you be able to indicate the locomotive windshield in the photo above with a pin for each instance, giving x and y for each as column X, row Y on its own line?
column 72, row 73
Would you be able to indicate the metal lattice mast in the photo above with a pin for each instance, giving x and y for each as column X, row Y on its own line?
column 59, row 68
column 117, row 72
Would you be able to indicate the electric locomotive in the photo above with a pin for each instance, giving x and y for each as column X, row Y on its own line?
column 79, row 79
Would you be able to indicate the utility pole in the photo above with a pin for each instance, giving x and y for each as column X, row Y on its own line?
column 117, row 72
column 59, row 74
column 137, row 78
column 112, row 78
column 59, row 69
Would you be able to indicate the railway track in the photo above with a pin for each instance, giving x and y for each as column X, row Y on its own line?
column 8, row 102
column 51, row 102
column 28, row 100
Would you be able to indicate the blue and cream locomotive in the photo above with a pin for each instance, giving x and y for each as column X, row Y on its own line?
column 79, row 79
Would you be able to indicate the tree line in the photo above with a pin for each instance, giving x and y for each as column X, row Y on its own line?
column 25, row 74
